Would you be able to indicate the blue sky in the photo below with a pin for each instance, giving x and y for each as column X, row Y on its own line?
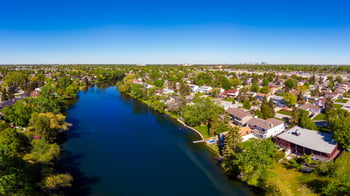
column 135, row 31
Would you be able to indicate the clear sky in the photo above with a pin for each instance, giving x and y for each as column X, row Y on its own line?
column 181, row 31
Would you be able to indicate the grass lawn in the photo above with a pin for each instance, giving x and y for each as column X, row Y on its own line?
column 203, row 130
column 285, row 113
column 338, row 106
column 293, row 180
column 344, row 162
column 341, row 100
column 320, row 117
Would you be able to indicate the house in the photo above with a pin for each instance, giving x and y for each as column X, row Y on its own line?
column 332, row 95
column 261, row 96
column 239, row 116
column 230, row 93
column 302, row 141
column 310, row 108
column 278, row 101
column 34, row 93
column 168, row 91
column 321, row 102
column 204, row 89
column 225, row 104
column 265, row 128
column 194, row 88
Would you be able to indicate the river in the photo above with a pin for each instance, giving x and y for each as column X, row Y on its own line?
column 119, row 146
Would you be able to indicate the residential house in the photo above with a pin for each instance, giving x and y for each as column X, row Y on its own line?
column 310, row 108
column 278, row 101
column 266, row 128
column 204, row 89
column 302, row 141
column 193, row 87
column 239, row 116
column 230, row 93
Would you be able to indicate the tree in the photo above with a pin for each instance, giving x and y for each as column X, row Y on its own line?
column 42, row 151
column 340, row 125
column 290, row 99
column 303, row 120
column 328, row 105
column 19, row 113
column 232, row 145
column 159, row 83
column 137, row 91
column 203, row 111
column 4, row 95
column 10, row 93
column 255, row 87
column 57, row 181
column 184, row 89
column 265, row 90
column 12, row 139
column 48, row 125
column 246, row 104
column 224, row 83
column 15, row 174
column 202, row 78
column 218, row 125
column 290, row 83
column 254, row 162
column 267, row 108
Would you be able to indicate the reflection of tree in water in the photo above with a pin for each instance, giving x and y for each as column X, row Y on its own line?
column 126, row 98
column 139, row 108
column 82, row 184
column 106, row 84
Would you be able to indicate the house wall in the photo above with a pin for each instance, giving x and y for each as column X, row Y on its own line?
column 275, row 131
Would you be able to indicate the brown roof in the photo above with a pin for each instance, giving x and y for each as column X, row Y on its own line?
column 265, row 124
column 309, row 106
column 245, row 131
column 238, row 112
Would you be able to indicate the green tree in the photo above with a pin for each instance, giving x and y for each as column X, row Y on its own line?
column 232, row 145
column 304, row 120
column 42, row 151
column 202, row 78
column 159, row 83
column 290, row 99
column 328, row 105
column 246, row 104
column 266, row 108
column 290, row 83
column 4, row 95
column 255, row 87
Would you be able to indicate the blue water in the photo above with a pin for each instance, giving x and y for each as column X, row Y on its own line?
column 118, row 146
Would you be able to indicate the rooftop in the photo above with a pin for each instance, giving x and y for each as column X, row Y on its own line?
column 314, row 140
column 265, row 124
column 238, row 112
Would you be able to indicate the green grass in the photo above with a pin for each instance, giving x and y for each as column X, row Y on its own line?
column 285, row 113
column 293, row 180
column 320, row 117
column 343, row 163
column 203, row 130
column 338, row 106
column 341, row 100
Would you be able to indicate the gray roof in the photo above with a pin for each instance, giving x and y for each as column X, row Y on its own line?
column 314, row 140
column 238, row 112
column 265, row 124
